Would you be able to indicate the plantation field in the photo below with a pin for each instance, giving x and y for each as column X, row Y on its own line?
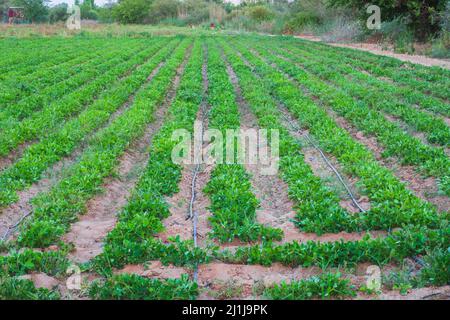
column 92, row 205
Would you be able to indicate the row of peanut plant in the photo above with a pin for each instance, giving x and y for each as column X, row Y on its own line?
column 430, row 79
column 12, row 114
column 107, row 144
column 392, row 205
column 374, row 93
column 133, row 238
column 411, row 94
column 233, row 203
column 54, row 211
column 432, row 161
column 16, row 87
column 62, row 142
column 20, row 63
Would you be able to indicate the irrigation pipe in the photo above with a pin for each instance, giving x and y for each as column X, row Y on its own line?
column 193, row 214
column 14, row 226
column 327, row 161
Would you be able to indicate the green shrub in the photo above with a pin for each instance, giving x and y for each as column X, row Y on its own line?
column 134, row 287
column 19, row 289
column 436, row 271
column 440, row 47
column 261, row 13
column 322, row 286
column 302, row 20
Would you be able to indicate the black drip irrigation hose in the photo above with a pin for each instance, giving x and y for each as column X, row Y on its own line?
column 327, row 161
column 193, row 214
column 14, row 226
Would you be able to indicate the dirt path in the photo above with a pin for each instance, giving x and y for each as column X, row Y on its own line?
column 377, row 49
column 88, row 232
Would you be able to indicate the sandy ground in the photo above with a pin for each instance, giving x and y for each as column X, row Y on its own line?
column 377, row 49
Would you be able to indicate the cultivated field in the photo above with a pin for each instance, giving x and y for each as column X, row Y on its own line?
column 93, row 207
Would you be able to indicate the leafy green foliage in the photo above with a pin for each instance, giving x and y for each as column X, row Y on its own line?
column 324, row 286
column 395, row 247
column 20, row 263
column 232, row 201
column 381, row 185
column 436, row 271
column 19, row 289
column 131, row 11
column 134, row 287
column 132, row 240
column 421, row 13
column 58, row 210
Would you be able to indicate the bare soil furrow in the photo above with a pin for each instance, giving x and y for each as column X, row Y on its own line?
column 285, row 221
column 154, row 270
column 227, row 281
column 320, row 168
column 14, row 155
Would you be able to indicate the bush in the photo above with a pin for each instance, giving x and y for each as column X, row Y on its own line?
column 397, row 32
column 260, row 13
column 105, row 15
column 420, row 13
column 58, row 13
column 441, row 46
column 162, row 9
column 131, row 11
column 341, row 28
column 302, row 20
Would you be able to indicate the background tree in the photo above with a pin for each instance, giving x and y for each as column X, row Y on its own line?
column 419, row 15
column 58, row 13
column 162, row 9
column 261, row 13
column 105, row 13
column 34, row 10
column 88, row 10
column 131, row 11
column 4, row 5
